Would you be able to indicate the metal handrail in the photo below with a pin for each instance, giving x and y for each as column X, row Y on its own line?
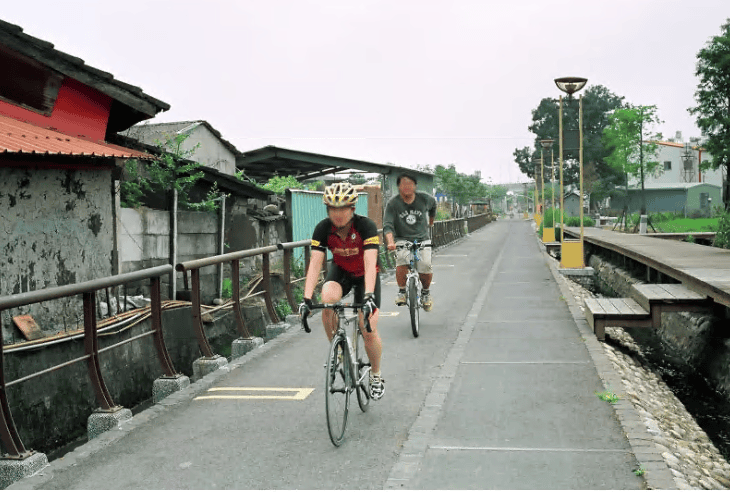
column 8, row 432
column 194, row 266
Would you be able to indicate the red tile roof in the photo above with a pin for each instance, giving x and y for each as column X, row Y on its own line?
column 18, row 137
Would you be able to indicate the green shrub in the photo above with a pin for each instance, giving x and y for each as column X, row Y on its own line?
column 227, row 291
column 722, row 237
column 442, row 214
column 575, row 221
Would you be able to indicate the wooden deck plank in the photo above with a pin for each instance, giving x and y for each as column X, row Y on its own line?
column 680, row 292
column 705, row 268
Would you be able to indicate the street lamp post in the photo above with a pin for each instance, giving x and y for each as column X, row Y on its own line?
column 571, row 254
column 549, row 235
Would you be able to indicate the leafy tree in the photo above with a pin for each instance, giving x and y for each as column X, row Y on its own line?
column 461, row 188
column 279, row 184
column 171, row 171
column 357, row 179
column 632, row 144
column 713, row 102
column 598, row 104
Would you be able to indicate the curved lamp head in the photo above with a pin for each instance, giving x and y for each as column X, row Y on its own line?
column 570, row 85
column 546, row 144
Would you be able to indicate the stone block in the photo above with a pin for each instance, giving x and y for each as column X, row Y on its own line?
column 242, row 346
column 205, row 365
column 274, row 330
column 165, row 386
column 100, row 421
column 13, row 470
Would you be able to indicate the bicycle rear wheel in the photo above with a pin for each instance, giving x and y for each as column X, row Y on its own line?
column 363, row 372
column 413, row 305
column 337, row 389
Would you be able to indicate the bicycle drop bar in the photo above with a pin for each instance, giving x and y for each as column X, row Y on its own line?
column 353, row 306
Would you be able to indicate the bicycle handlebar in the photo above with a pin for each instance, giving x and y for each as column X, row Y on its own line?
column 355, row 306
column 413, row 245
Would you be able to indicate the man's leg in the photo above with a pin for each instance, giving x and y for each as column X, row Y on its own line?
column 331, row 293
column 425, row 273
column 426, row 279
column 373, row 343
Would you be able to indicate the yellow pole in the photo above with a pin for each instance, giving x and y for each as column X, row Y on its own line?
column 580, row 137
column 552, row 180
column 560, row 131
column 542, row 182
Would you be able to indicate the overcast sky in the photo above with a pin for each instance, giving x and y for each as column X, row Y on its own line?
column 407, row 82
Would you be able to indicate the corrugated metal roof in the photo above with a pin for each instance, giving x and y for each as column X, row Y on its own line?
column 19, row 137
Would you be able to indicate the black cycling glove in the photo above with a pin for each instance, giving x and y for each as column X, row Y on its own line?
column 305, row 308
column 369, row 306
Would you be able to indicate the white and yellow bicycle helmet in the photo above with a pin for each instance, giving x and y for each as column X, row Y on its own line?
column 340, row 195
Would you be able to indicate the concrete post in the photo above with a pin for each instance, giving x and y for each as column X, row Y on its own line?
column 101, row 421
column 205, row 365
column 242, row 346
column 165, row 386
column 642, row 224
column 12, row 470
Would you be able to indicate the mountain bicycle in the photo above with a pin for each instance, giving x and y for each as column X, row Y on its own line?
column 347, row 368
column 413, row 282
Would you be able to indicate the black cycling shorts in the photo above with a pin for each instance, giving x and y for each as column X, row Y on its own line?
column 347, row 282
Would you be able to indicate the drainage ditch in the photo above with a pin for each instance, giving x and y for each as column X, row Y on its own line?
column 709, row 408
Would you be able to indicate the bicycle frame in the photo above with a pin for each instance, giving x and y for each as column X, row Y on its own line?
column 354, row 369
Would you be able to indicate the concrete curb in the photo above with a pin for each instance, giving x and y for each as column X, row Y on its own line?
column 657, row 474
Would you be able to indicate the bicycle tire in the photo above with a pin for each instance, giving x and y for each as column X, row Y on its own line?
column 337, row 390
column 413, row 306
column 363, row 372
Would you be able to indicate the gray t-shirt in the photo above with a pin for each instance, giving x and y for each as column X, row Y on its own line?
column 409, row 221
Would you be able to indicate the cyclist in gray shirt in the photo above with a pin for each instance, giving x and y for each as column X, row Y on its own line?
column 408, row 217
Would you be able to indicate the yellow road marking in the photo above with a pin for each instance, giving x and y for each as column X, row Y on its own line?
column 299, row 394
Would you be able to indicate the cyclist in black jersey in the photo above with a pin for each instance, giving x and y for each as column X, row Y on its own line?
column 354, row 243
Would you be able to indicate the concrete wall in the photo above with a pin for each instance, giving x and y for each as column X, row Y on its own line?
column 56, row 228
column 144, row 239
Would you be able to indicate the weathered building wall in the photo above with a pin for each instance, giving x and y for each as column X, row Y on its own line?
column 144, row 241
column 56, row 228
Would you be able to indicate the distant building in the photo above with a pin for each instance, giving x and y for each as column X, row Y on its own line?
column 213, row 151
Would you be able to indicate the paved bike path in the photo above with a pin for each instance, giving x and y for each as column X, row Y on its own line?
column 498, row 392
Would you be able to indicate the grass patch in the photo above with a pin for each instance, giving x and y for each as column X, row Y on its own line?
column 608, row 396
column 640, row 471
column 688, row 225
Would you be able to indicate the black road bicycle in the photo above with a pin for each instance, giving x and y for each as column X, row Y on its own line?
column 347, row 368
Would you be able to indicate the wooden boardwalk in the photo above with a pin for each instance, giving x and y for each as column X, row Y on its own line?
column 704, row 269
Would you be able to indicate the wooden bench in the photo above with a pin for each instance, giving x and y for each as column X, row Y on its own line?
column 623, row 312
column 663, row 298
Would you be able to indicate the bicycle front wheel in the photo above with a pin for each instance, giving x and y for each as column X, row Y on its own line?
column 337, row 389
column 363, row 372
column 413, row 305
